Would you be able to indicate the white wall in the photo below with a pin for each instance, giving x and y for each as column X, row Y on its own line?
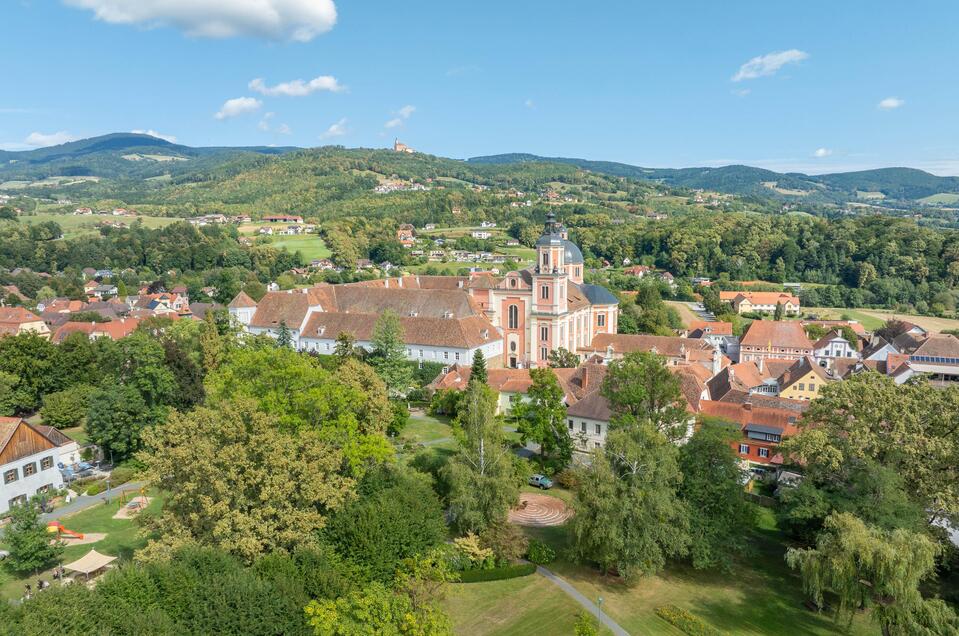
column 29, row 485
column 443, row 355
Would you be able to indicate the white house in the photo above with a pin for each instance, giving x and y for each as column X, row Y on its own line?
column 29, row 456
column 833, row 346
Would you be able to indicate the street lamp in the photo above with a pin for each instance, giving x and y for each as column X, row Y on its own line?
column 600, row 599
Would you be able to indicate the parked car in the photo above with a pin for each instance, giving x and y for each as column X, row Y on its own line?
column 541, row 481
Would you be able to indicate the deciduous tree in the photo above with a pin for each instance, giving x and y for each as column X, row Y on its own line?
column 542, row 417
column 388, row 355
column 641, row 389
column 28, row 540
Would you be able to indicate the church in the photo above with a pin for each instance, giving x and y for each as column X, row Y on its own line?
column 515, row 320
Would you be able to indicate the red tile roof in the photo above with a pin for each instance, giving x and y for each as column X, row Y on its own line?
column 785, row 334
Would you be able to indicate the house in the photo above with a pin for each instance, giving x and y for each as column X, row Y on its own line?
column 406, row 235
column 878, row 350
column 804, row 380
column 832, row 346
column 114, row 329
column 676, row 350
column 398, row 146
column 765, row 339
column 487, row 223
column 15, row 321
column 481, row 234
column 637, row 270
column 12, row 292
column 283, row 218
column 101, row 291
column 936, row 357
column 763, row 428
column 429, row 226
column 761, row 302
column 29, row 458
column 715, row 332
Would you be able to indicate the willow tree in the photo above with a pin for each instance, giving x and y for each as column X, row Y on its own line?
column 867, row 567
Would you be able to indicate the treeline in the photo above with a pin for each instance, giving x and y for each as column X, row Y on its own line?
column 871, row 260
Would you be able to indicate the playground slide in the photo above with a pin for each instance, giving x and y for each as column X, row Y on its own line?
column 57, row 527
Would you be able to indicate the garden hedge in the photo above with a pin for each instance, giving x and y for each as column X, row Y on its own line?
column 497, row 574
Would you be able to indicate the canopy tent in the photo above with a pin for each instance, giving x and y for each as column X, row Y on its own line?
column 90, row 562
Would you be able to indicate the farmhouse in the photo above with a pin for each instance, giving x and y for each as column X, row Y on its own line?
column 761, row 302
column 29, row 459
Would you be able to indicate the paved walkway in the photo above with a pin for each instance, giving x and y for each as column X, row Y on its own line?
column 608, row 622
column 82, row 502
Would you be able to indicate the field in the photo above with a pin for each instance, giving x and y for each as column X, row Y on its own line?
column 311, row 246
column 685, row 313
column 760, row 595
column 74, row 225
column 529, row 605
column 123, row 537
column 943, row 198
column 874, row 318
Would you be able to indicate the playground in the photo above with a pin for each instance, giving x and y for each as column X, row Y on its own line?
column 97, row 528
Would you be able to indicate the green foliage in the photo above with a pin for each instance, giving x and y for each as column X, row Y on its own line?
column 273, row 489
column 686, row 622
column 640, row 390
column 586, row 625
column 478, row 371
column 720, row 517
column 540, row 553
column 506, row 540
column 563, row 359
column 483, row 476
column 116, row 419
column 542, row 418
column 397, row 517
column 28, row 540
column 629, row 519
column 348, row 408
column 498, row 573
column 865, row 566
column 388, row 355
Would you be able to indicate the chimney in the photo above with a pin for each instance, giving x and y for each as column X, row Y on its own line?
column 717, row 361
column 732, row 373
column 747, row 406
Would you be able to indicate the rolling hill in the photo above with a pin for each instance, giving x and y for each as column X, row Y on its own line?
column 895, row 184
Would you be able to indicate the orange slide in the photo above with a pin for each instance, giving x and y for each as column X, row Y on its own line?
column 61, row 532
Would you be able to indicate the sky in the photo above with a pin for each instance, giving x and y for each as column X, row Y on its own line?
column 806, row 86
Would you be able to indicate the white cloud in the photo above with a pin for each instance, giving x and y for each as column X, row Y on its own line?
column 266, row 126
column 297, row 20
column 890, row 103
column 336, row 130
column 153, row 133
column 283, row 129
column 768, row 64
column 42, row 140
column 238, row 106
column 401, row 115
column 529, row 103
column 297, row 88
column 822, row 152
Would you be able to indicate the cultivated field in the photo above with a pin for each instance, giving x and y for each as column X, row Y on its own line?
column 309, row 245
column 874, row 318
column 73, row 225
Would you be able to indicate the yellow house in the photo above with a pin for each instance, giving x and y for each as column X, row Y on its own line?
column 803, row 380
column 17, row 320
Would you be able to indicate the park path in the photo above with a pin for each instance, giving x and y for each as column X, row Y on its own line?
column 593, row 609
column 83, row 502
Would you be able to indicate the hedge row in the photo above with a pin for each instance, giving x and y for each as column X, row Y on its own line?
column 497, row 574
column 686, row 622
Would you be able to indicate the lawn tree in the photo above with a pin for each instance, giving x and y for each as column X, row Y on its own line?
column 483, row 476
column 866, row 567
column 345, row 346
column 348, row 408
column 410, row 606
column 780, row 312
column 284, row 337
column 28, row 540
column 238, row 482
column 8, row 400
column 629, row 519
column 868, row 432
column 116, row 418
column 67, row 408
column 720, row 517
column 563, row 359
column 542, row 418
column 388, row 355
column 586, row 625
column 641, row 389
column 478, row 371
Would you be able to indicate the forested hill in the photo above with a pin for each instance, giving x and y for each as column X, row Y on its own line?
column 896, row 184
column 117, row 156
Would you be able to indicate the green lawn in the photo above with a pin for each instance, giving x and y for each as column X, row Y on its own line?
column 528, row 605
column 310, row 245
column 77, row 434
column 426, row 428
column 759, row 596
column 123, row 538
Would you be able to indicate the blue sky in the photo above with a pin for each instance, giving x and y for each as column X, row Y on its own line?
column 812, row 86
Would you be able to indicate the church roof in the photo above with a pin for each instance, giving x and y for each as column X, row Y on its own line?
column 598, row 295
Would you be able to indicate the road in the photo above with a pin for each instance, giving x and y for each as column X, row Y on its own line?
column 83, row 502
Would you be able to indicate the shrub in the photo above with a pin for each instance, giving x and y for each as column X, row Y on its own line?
column 475, row 555
column 506, row 541
column 686, row 622
column 497, row 574
column 121, row 475
column 540, row 553
column 567, row 478
column 586, row 624
column 96, row 489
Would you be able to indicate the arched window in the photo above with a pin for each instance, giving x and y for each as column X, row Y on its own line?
column 545, row 258
column 513, row 317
